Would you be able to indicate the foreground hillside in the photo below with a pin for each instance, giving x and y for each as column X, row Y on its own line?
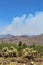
column 29, row 40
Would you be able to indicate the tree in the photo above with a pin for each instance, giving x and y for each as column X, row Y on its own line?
column 33, row 44
column 20, row 43
column 24, row 44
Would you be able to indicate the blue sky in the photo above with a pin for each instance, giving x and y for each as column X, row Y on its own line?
column 19, row 9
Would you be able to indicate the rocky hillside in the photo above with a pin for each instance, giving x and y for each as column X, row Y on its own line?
column 29, row 40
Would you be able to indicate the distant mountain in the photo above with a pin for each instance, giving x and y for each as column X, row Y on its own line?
column 12, row 36
column 6, row 36
column 28, row 39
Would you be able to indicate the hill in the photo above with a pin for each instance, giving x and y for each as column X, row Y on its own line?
column 29, row 40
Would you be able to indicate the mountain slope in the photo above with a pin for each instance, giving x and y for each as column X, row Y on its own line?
column 29, row 40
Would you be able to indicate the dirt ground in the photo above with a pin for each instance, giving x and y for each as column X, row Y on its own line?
column 20, row 61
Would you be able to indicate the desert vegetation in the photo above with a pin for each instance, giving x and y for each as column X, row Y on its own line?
column 21, row 54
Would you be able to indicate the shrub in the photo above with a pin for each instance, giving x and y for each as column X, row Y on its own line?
column 29, row 53
column 13, row 52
